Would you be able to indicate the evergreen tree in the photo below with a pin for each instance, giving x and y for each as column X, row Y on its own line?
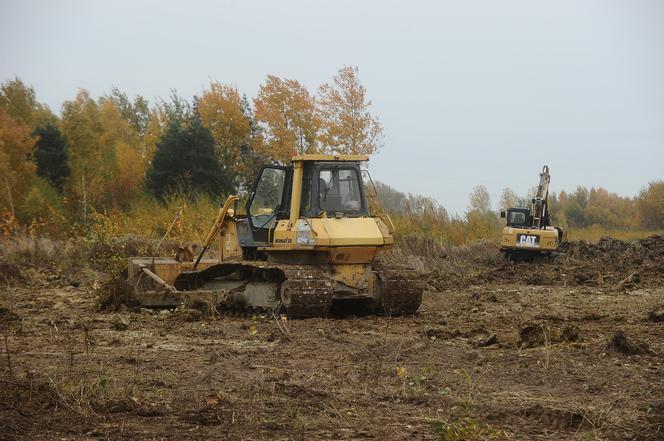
column 51, row 155
column 185, row 161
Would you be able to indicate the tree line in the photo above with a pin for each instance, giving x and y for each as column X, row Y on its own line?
column 105, row 154
column 116, row 154
column 574, row 211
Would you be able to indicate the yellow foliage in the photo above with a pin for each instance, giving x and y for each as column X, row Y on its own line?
column 150, row 218
column 401, row 372
column 81, row 126
column 347, row 125
column 16, row 171
column 123, row 165
column 651, row 205
column 287, row 112
column 220, row 108
column 151, row 137
column 43, row 208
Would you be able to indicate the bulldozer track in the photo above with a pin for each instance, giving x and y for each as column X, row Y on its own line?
column 299, row 291
column 308, row 290
column 401, row 290
column 305, row 291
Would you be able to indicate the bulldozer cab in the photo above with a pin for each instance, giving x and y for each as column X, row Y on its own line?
column 313, row 186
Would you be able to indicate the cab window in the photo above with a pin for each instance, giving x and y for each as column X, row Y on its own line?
column 267, row 197
column 305, row 201
column 339, row 190
column 516, row 218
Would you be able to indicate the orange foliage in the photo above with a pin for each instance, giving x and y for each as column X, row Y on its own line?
column 16, row 169
column 287, row 113
column 348, row 127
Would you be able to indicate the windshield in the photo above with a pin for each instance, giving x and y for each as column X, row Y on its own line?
column 516, row 218
column 339, row 190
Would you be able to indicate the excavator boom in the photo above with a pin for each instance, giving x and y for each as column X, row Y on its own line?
column 540, row 201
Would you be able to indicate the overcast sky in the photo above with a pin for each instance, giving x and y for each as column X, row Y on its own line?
column 469, row 92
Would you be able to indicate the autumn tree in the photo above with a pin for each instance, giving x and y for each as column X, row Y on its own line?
column 509, row 199
column 151, row 136
column 176, row 110
column 16, row 170
column 185, row 162
column 136, row 113
column 480, row 200
column 253, row 154
column 88, row 163
column 123, row 164
column 481, row 221
column 20, row 102
column 287, row 114
column 228, row 116
column 51, row 156
column 348, row 127
column 651, row 205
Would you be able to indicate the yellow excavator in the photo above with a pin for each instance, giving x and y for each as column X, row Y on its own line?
column 527, row 235
column 308, row 240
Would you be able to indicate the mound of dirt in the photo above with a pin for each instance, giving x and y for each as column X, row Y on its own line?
column 608, row 248
column 623, row 265
column 115, row 293
column 532, row 335
column 11, row 273
column 621, row 344
column 657, row 314
column 7, row 318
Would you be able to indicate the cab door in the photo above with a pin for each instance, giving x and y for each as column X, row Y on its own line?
column 268, row 202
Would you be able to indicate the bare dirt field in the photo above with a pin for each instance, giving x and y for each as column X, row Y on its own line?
column 572, row 349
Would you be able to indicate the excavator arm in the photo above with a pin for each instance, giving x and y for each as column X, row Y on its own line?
column 539, row 205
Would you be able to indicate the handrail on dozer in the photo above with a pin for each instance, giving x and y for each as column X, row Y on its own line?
column 216, row 227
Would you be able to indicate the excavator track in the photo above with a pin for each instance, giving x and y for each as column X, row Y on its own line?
column 401, row 290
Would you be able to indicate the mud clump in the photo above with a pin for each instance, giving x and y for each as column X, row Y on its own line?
column 189, row 315
column 569, row 333
column 657, row 314
column 480, row 338
column 533, row 335
column 620, row 343
column 11, row 273
column 7, row 318
column 116, row 293
column 120, row 323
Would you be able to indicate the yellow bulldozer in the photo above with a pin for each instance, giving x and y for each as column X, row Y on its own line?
column 527, row 235
column 308, row 240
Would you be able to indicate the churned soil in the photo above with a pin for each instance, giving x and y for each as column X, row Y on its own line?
column 498, row 350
